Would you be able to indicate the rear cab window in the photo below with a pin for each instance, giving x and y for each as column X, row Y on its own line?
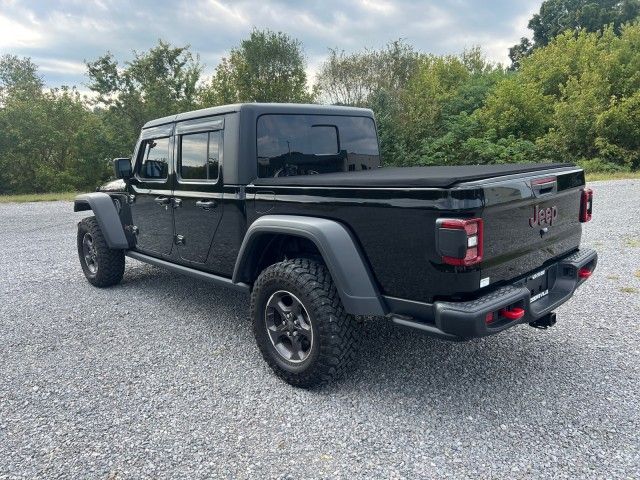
column 290, row 145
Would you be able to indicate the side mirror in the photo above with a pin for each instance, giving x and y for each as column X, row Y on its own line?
column 122, row 167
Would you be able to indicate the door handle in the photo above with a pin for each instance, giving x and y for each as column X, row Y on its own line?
column 162, row 200
column 206, row 204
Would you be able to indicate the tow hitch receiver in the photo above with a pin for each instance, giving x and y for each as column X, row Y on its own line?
column 549, row 320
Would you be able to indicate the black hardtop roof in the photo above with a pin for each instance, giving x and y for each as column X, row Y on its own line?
column 262, row 108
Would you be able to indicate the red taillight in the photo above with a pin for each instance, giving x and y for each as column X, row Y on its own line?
column 586, row 205
column 473, row 246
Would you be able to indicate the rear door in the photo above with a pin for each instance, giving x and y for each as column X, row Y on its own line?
column 151, row 186
column 529, row 221
column 198, row 187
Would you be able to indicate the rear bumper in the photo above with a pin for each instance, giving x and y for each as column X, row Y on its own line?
column 463, row 320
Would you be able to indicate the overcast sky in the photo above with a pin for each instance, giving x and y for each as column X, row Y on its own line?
column 59, row 35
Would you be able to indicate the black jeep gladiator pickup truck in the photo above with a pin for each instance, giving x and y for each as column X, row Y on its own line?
column 288, row 202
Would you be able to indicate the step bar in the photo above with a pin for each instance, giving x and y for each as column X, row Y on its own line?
column 190, row 272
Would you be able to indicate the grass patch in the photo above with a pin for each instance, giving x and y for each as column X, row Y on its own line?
column 629, row 290
column 632, row 242
column 613, row 277
column 595, row 176
column 637, row 273
column 37, row 197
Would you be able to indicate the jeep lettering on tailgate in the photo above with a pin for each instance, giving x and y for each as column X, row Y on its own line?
column 542, row 216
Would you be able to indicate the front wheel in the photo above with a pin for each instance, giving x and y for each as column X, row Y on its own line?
column 300, row 325
column 103, row 266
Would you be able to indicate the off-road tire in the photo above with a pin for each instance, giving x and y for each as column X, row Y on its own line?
column 110, row 263
column 335, row 333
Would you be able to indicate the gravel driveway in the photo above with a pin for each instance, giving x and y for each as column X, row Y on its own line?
column 160, row 377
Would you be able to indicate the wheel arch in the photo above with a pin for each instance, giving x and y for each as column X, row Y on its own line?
column 335, row 245
column 106, row 216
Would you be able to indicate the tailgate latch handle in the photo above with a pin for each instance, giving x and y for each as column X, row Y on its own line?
column 544, row 186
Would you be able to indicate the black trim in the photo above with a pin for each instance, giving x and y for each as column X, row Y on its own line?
column 107, row 216
column 191, row 272
column 407, row 177
column 350, row 272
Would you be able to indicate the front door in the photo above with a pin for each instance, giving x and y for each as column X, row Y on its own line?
column 151, row 190
column 198, row 188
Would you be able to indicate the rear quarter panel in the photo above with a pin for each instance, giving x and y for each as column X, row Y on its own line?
column 394, row 227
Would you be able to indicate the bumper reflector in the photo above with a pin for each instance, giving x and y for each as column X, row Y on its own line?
column 513, row 314
column 584, row 273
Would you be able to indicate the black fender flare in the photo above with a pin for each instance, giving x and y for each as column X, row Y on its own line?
column 349, row 269
column 106, row 215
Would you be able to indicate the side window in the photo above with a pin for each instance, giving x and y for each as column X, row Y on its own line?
column 200, row 156
column 193, row 156
column 291, row 145
column 155, row 159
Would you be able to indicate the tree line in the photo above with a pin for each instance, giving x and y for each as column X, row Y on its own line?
column 572, row 95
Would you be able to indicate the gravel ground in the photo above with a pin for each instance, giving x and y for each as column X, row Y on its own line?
column 160, row 377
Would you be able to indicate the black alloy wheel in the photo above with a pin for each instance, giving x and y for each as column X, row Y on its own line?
column 289, row 326
column 90, row 254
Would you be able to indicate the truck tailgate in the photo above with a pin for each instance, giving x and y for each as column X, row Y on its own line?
column 529, row 221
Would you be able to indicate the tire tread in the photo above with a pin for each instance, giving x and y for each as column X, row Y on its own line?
column 339, row 331
column 110, row 262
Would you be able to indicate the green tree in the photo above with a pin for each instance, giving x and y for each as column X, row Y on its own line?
column 267, row 67
column 438, row 103
column 618, row 132
column 557, row 16
column 18, row 78
column 516, row 108
column 51, row 142
column 156, row 83
column 575, row 99
column 519, row 51
column 353, row 79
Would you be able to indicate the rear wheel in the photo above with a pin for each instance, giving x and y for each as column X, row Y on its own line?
column 300, row 325
column 102, row 265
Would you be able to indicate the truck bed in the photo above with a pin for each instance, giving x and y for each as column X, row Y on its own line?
column 425, row 177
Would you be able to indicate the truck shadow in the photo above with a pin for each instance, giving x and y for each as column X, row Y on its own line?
column 521, row 369
column 398, row 365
